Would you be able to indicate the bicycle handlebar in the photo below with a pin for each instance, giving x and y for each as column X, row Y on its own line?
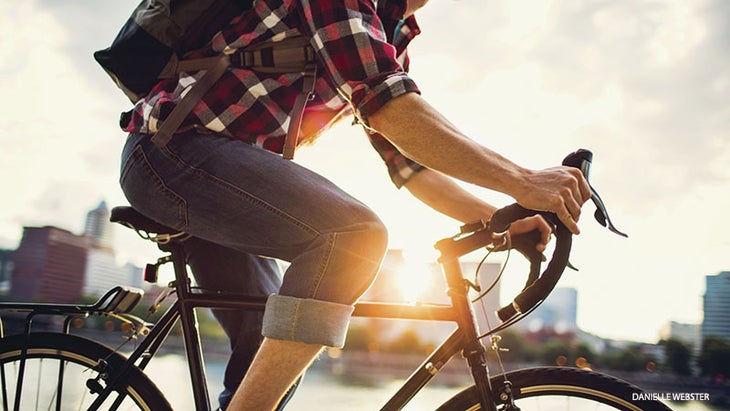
column 538, row 285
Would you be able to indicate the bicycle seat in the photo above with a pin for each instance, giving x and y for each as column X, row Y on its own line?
column 132, row 218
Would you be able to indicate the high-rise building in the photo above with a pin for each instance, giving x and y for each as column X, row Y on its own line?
column 716, row 305
column 103, row 273
column 557, row 314
column 99, row 228
column 49, row 265
column 102, row 270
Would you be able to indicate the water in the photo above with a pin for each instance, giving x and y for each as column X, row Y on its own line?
column 320, row 391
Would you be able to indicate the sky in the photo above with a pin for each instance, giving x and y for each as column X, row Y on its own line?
column 645, row 85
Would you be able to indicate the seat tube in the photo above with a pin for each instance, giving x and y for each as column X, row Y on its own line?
column 474, row 351
column 191, row 337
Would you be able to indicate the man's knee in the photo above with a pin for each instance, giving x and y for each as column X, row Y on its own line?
column 368, row 243
column 375, row 235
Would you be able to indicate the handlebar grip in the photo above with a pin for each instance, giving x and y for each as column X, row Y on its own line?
column 504, row 217
column 538, row 286
column 538, row 289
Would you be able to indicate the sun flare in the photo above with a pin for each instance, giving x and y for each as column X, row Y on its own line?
column 412, row 281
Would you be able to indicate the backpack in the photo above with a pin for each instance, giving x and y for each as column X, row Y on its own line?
column 152, row 43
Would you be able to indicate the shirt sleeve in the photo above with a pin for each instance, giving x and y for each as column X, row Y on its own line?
column 352, row 45
column 400, row 167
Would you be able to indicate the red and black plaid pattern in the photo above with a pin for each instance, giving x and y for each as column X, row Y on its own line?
column 360, row 50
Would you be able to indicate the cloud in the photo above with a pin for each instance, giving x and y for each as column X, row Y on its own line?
column 56, row 117
column 664, row 63
column 643, row 84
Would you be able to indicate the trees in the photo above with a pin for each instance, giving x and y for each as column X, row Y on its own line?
column 677, row 357
column 714, row 357
column 630, row 358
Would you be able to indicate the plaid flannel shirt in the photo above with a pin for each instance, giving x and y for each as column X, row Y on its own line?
column 361, row 53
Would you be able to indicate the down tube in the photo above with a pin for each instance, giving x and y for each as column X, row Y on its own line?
column 426, row 371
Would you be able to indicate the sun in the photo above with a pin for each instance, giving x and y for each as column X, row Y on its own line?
column 412, row 281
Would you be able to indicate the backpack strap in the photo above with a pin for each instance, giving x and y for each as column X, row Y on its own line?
column 177, row 116
column 287, row 56
column 295, row 122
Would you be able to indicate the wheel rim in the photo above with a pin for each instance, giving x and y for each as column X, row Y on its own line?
column 40, row 389
column 581, row 395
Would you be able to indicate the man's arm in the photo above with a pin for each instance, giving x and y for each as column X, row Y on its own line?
column 445, row 196
column 404, row 121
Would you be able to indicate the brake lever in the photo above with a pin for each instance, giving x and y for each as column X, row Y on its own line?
column 581, row 159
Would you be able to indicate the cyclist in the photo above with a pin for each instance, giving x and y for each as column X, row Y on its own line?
column 220, row 179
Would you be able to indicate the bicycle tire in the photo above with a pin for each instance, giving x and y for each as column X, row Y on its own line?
column 549, row 384
column 48, row 353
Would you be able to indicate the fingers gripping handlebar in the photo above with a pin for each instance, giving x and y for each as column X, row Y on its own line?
column 539, row 286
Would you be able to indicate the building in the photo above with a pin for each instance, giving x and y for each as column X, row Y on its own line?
column 99, row 228
column 49, row 266
column 54, row 265
column 716, row 306
column 688, row 334
column 557, row 315
column 102, row 271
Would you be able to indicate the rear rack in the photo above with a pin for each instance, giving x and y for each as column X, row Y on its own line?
column 117, row 302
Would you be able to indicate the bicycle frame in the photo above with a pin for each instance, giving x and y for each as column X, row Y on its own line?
column 464, row 339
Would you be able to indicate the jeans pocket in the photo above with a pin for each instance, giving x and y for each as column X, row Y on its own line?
column 146, row 191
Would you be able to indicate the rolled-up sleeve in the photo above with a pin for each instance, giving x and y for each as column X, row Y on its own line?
column 400, row 167
column 359, row 62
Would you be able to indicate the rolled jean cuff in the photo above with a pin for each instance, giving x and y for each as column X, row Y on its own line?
column 306, row 320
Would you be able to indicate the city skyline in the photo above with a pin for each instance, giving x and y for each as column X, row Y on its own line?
column 642, row 84
column 558, row 314
column 52, row 264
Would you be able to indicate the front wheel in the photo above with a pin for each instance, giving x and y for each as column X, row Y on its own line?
column 558, row 388
column 66, row 372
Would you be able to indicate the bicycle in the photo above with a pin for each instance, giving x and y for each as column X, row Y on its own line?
column 109, row 380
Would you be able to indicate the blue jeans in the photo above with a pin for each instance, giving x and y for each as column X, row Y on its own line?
column 240, row 202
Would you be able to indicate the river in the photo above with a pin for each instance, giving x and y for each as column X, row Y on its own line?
column 320, row 391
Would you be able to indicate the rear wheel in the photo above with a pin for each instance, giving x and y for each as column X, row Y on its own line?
column 558, row 388
column 67, row 372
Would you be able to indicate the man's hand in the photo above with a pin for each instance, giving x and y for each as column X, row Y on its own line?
column 529, row 224
column 559, row 190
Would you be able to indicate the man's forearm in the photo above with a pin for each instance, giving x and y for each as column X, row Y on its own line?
column 425, row 136
column 444, row 195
